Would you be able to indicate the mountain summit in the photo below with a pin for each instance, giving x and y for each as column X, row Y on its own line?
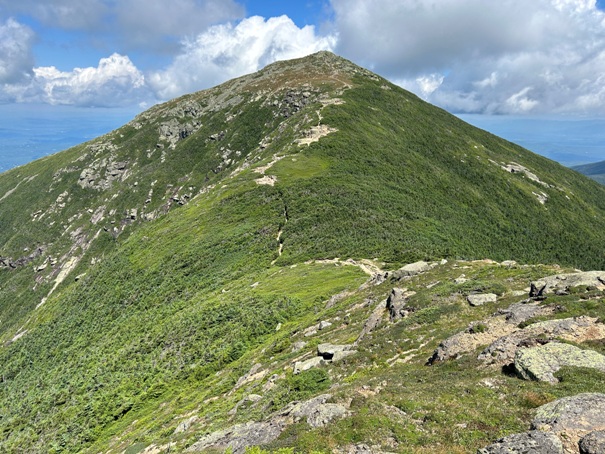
column 159, row 284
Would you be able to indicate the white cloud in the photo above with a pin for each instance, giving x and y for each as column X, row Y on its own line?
column 543, row 56
column 160, row 25
column 114, row 82
column 227, row 51
column 16, row 58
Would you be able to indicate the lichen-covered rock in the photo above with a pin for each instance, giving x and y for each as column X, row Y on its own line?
column 481, row 299
column 563, row 282
column 571, row 418
column 542, row 362
column 593, row 443
column 532, row 442
column 576, row 329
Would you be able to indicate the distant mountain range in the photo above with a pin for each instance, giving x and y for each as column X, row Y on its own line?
column 596, row 171
column 270, row 264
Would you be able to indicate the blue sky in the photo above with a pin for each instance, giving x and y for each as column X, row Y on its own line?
column 488, row 58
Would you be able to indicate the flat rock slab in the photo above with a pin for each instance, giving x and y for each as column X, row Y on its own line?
column 532, row 442
column 239, row 437
column 542, row 362
column 481, row 299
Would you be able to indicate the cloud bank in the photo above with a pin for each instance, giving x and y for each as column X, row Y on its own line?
column 508, row 57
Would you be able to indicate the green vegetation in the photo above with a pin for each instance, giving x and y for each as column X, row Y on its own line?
column 147, row 279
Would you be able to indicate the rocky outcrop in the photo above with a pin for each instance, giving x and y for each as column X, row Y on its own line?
column 397, row 303
column 577, row 329
column 173, row 131
column 239, row 437
column 561, row 283
column 542, row 362
column 572, row 418
column 562, row 426
column 326, row 354
column 534, row 442
column 316, row 412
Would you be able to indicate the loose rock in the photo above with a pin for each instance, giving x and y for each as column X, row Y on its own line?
column 533, row 442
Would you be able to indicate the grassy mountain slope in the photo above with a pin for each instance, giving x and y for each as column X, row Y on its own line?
column 596, row 171
column 144, row 273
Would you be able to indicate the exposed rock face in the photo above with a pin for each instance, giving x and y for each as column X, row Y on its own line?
column 571, row 418
column 534, row 442
column 317, row 412
column 239, row 437
column 397, row 303
column 579, row 329
column 101, row 174
column 520, row 312
column 481, row 299
column 593, row 443
column 563, row 282
column 541, row 363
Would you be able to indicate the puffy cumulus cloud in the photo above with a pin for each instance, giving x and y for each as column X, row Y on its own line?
column 16, row 59
column 114, row 82
column 512, row 56
column 227, row 51
column 161, row 25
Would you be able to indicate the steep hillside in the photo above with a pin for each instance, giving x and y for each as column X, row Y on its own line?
column 596, row 171
column 158, row 283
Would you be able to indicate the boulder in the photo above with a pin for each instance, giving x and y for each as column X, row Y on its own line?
column 397, row 303
column 572, row 418
column 542, row 362
column 300, row 366
column 593, row 443
column 576, row 329
column 523, row 311
column 316, row 411
column 481, row 299
column 323, row 325
column 563, row 282
column 532, row 442
column 328, row 351
column 411, row 269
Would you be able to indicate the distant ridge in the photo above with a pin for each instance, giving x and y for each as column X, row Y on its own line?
column 596, row 171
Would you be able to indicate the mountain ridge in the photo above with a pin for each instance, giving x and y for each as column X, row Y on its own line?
column 596, row 171
column 147, row 272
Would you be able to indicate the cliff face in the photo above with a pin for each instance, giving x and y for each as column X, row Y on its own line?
column 226, row 270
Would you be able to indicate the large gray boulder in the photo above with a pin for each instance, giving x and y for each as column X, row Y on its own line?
column 571, row 418
column 542, row 362
column 411, row 269
column 481, row 299
column 532, row 442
